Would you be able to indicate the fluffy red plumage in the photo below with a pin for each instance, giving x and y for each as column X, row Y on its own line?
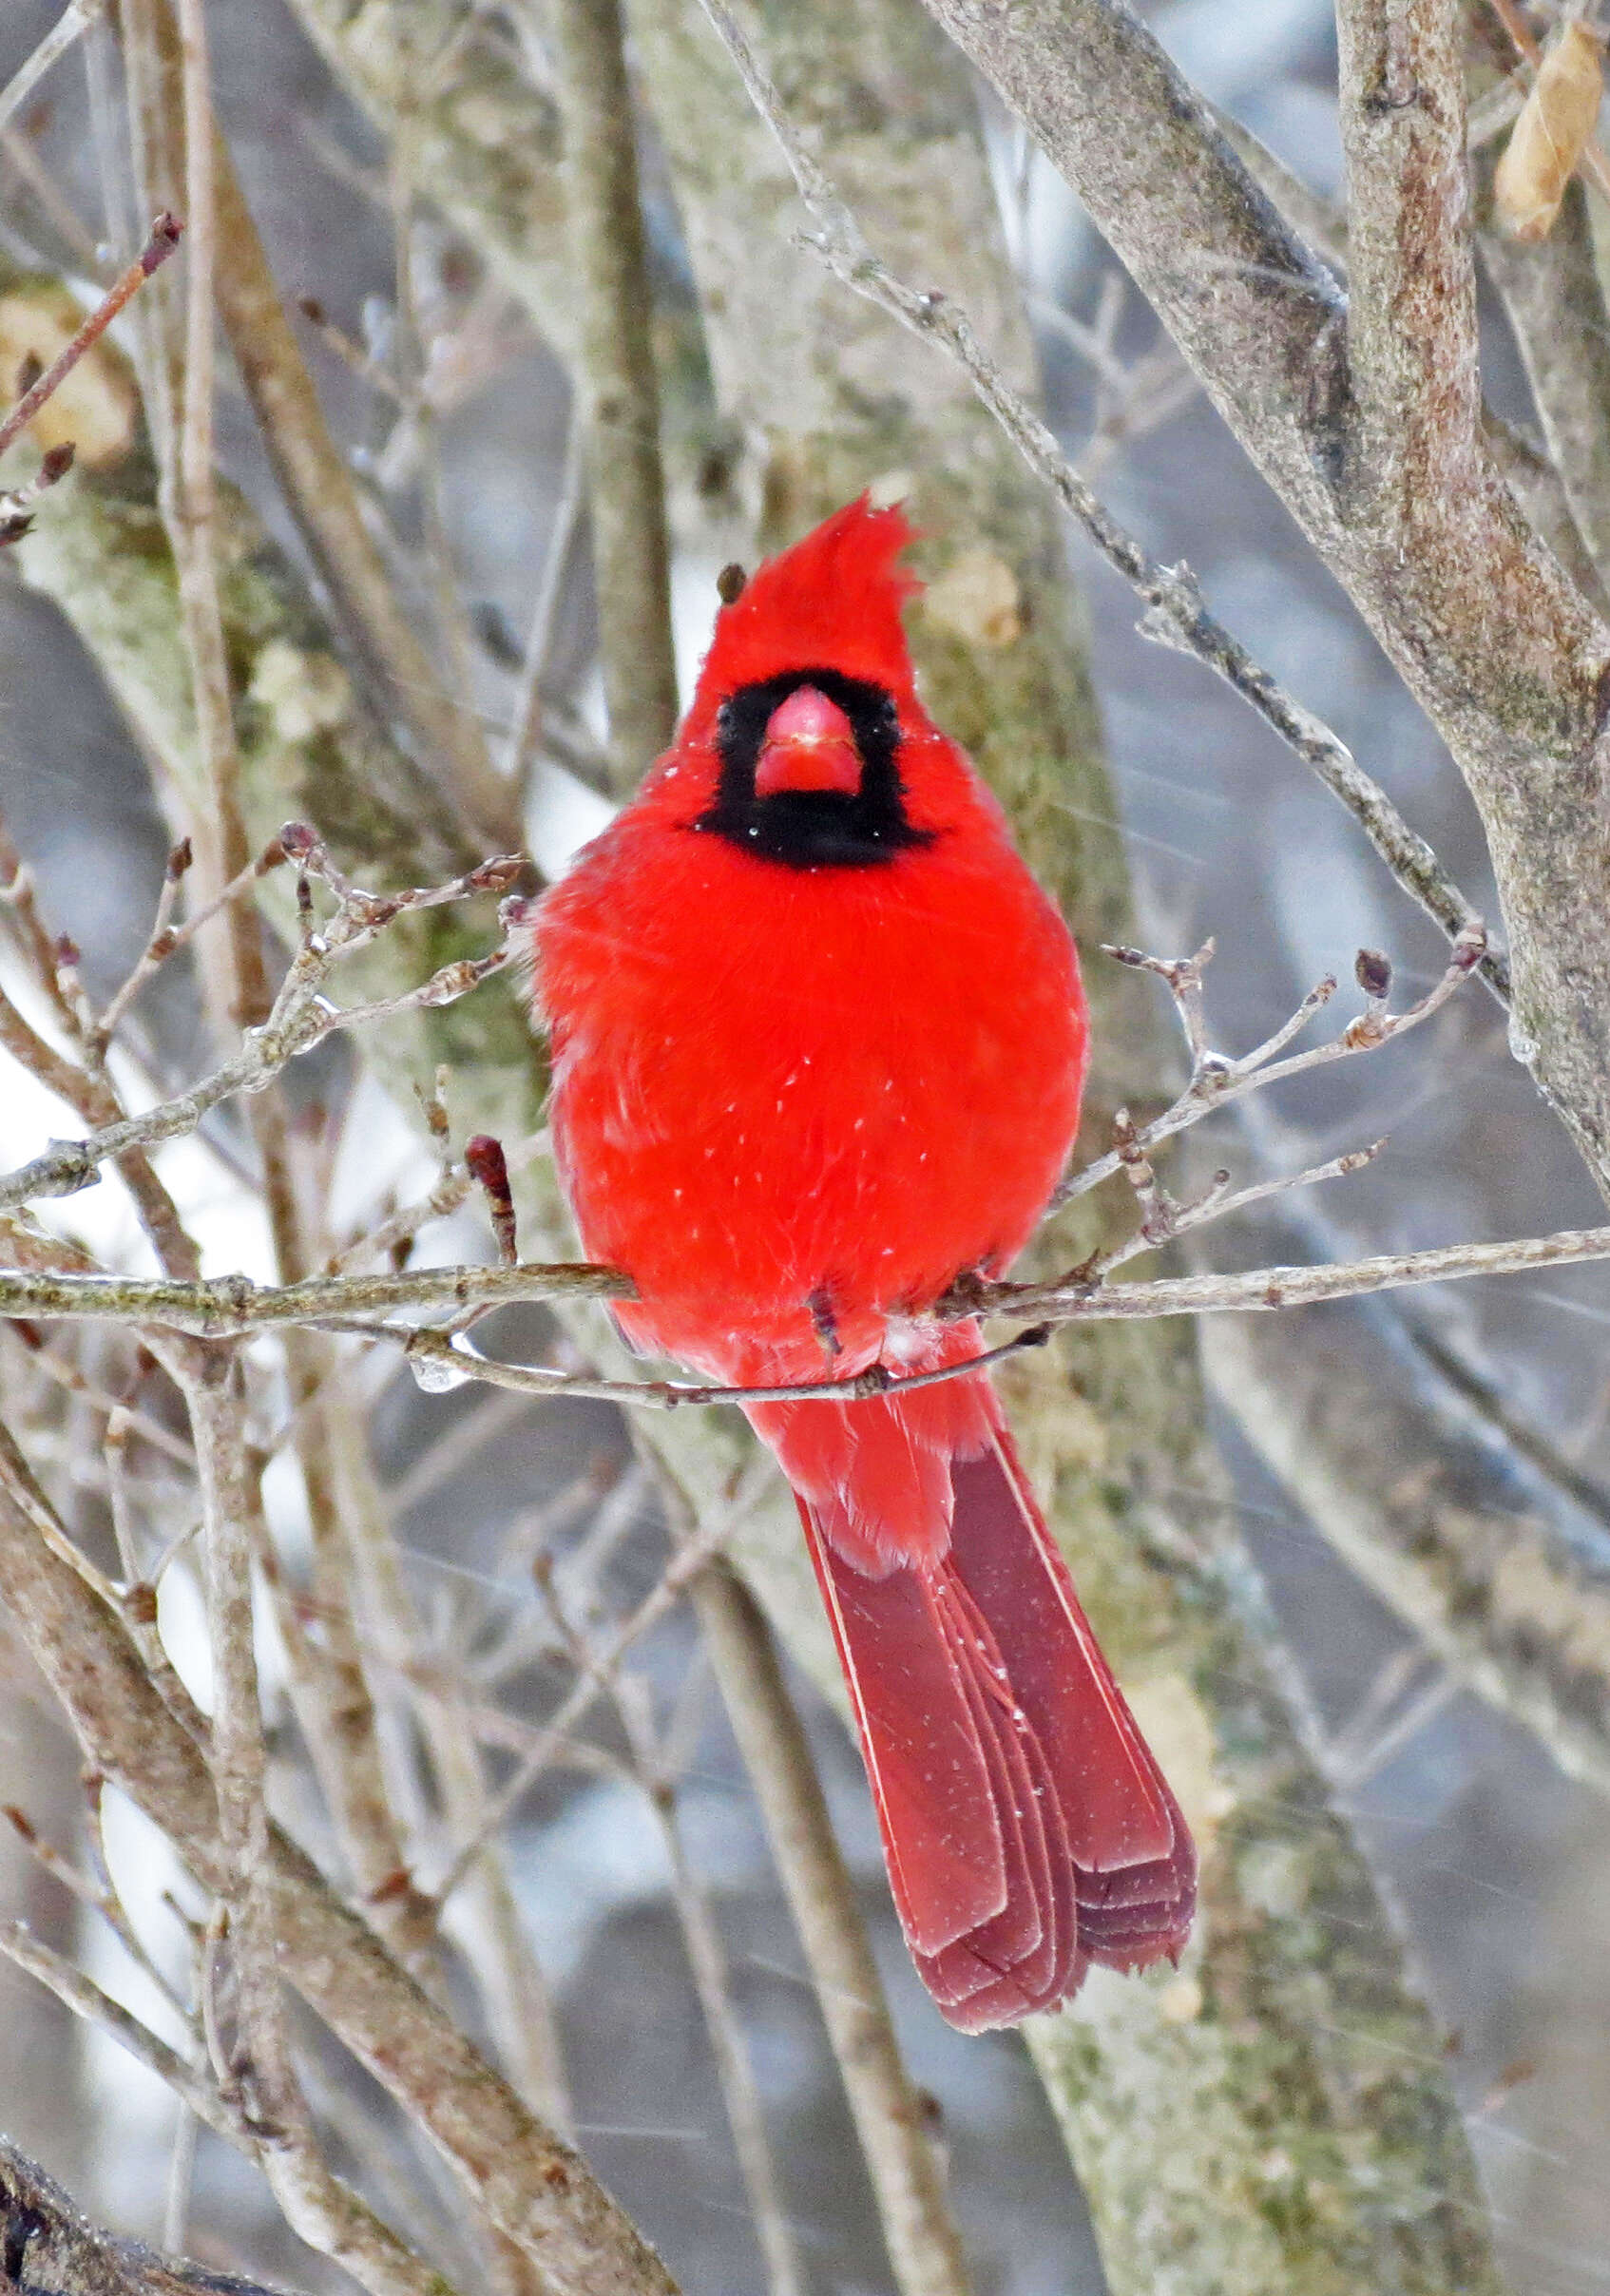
column 818, row 1047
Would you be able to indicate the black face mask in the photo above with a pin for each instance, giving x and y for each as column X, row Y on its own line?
column 813, row 829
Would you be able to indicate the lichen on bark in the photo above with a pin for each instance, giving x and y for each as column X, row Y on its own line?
column 1276, row 2114
column 310, row 748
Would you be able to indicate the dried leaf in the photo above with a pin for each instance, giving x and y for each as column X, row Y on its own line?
column 977, row 599
column 95, row 407
column 1556, row 121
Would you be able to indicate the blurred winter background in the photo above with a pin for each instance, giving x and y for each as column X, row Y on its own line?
column 1500, row 1866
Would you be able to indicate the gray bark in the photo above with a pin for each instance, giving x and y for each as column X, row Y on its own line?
column 1236, row 2128
column 1363, row 412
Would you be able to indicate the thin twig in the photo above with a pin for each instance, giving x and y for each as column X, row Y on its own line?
column 441, row 1357
column 924, row 2244
column 85, row 1999
column 181, row 2179
column 534, row 2187
column 1257, row 1289
column 163, row 240
column 232, row 1306
column 392, row 1236
column 42, row 949
column 1216, row 1079
column 97, row 1891
column 16, row 504
column 190, row 511
column 166, row 938
column 24, row 161
column 413, row 451
column 300, row 1017
column 600, row 1665
column 259, row 2069
column 525, row 718
column 74, row 22
column 1165, row 1219
column 656, row 1776
column 216, row 1398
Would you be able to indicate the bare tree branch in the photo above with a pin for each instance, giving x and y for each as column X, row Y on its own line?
column 924, row 2244
column 654, row 1774
column 1555, row 307
column 827, row 401
column 1263, row 1289
column 163, row 240
column 74, row 22
column 619, row 384
column 533, row 2187
column 300, row 1017
column 49, row 2250
column 231, row 1306
column 254, row 2069
column 1533, row 476
column 1458, row 1547
column 87, row 2000
column 1411, row 319
column 349, row 2223
column 1176, row 614
column 1505, row 656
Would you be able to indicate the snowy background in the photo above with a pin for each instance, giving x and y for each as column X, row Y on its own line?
column 1499, row 1866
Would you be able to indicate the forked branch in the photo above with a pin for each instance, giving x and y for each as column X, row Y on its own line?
column 1176, row 615
column 387, row 1305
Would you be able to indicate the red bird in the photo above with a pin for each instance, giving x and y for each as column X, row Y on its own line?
column 819, row 1044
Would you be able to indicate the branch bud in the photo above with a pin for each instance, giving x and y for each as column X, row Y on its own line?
column 1373, row 970
column 489, row 1168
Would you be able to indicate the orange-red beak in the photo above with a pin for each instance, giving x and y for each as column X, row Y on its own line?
column 810, row 744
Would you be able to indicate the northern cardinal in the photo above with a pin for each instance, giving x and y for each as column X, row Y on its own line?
column 819, row 1044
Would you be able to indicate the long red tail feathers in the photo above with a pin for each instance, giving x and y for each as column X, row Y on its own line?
column 1027, row 1827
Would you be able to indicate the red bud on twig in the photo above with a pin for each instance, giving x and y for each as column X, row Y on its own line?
column 489, row 1167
